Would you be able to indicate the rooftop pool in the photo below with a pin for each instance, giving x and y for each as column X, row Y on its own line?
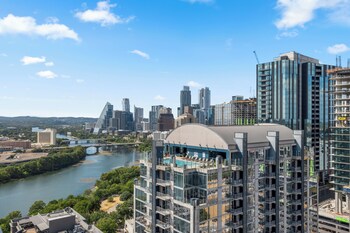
column 182, row 162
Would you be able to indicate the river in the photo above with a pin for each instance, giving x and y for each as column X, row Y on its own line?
column 20, row 194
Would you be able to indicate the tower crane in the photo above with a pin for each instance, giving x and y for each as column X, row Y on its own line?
column 256, row 57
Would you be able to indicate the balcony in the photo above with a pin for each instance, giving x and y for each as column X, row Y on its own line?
column 234, row 196
column 234, row 211
column 163, row 211
column 164, row 225
column 234, row 225
column 164, row 196
column 163, row 183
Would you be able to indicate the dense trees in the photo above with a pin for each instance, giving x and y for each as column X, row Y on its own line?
column 5, row 222
column 54, row 161
column 116, row 182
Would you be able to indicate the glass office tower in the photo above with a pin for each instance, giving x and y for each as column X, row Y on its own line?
column 293, row 90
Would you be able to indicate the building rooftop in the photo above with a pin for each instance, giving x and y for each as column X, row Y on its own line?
column 222, row 137
column 327, row 208
column 67, row 220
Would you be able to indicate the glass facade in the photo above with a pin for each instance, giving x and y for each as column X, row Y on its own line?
column 293, row 90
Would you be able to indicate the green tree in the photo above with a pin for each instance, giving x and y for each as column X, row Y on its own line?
column 5, row 222
column 37, row 207
column 125, row 196
column 107, row 225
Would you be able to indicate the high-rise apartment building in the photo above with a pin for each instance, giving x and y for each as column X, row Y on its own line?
column 104, row 120
column 126, row 105
column 153, row 117
column 204, row 98
column 340, row 137
column 204, row 103
column 293, row 90
column 237, row 112
column 233, row 179
column 185, row 98
column 334, row 213
column 122, row 121
column 47, row 137
column 138, row 117
column 165, row 120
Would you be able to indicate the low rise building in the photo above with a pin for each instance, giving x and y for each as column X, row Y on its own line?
column 67, row 220
column 22, row 144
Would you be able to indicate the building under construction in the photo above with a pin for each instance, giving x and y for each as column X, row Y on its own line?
column 334, row 214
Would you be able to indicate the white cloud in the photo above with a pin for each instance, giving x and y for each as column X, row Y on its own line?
column 26, row 60
column 50, row 63
column 194, row 84
column 3, row 55
column 338, row 48
column 48, row 74
column 102, row 15
column 52, row 20
column 159, row 97
column 12, row 24
column 298, row 12
column 140, row 53
column 80, row 80
column 287, row 34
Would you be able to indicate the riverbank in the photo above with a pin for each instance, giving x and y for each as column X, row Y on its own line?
column 118, row 182
column 8, row 158
column 20, row 194
column 53, row 161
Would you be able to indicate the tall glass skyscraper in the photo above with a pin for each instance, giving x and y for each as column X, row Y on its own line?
column 185, row 98
column 204, row 103
column 104, row 120
column 293, row 90
column 126, row 105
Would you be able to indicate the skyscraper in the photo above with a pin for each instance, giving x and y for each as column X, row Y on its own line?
column 293, row 90
column 138, row 117
column 237, row 112
column 340, row 133
column 204, row 98
column 104, row 119
column 185, row 98
column 126, row 105
column 334, row 212
column 165, row 119
column 204, row 103
column 153, row 117
column 228, row 179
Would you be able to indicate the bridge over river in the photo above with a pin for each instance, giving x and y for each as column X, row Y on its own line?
column 95, row 146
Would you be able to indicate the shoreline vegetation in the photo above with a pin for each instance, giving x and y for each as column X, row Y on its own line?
column 118, row 182
column 55, row 160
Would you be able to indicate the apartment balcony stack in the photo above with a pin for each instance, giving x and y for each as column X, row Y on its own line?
column 237, row 179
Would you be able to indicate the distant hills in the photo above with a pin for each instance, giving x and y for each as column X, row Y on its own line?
column 28, row 121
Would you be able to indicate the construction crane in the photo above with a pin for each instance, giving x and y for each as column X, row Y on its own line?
column 256, row 57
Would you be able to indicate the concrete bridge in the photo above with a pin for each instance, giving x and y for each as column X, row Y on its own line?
column 104, row 146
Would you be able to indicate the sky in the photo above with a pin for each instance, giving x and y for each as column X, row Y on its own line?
column 68, row 58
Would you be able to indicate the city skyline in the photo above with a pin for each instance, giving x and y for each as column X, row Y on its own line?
column 69, row 59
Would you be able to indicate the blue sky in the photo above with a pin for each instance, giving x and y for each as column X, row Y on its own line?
column 68, row 58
